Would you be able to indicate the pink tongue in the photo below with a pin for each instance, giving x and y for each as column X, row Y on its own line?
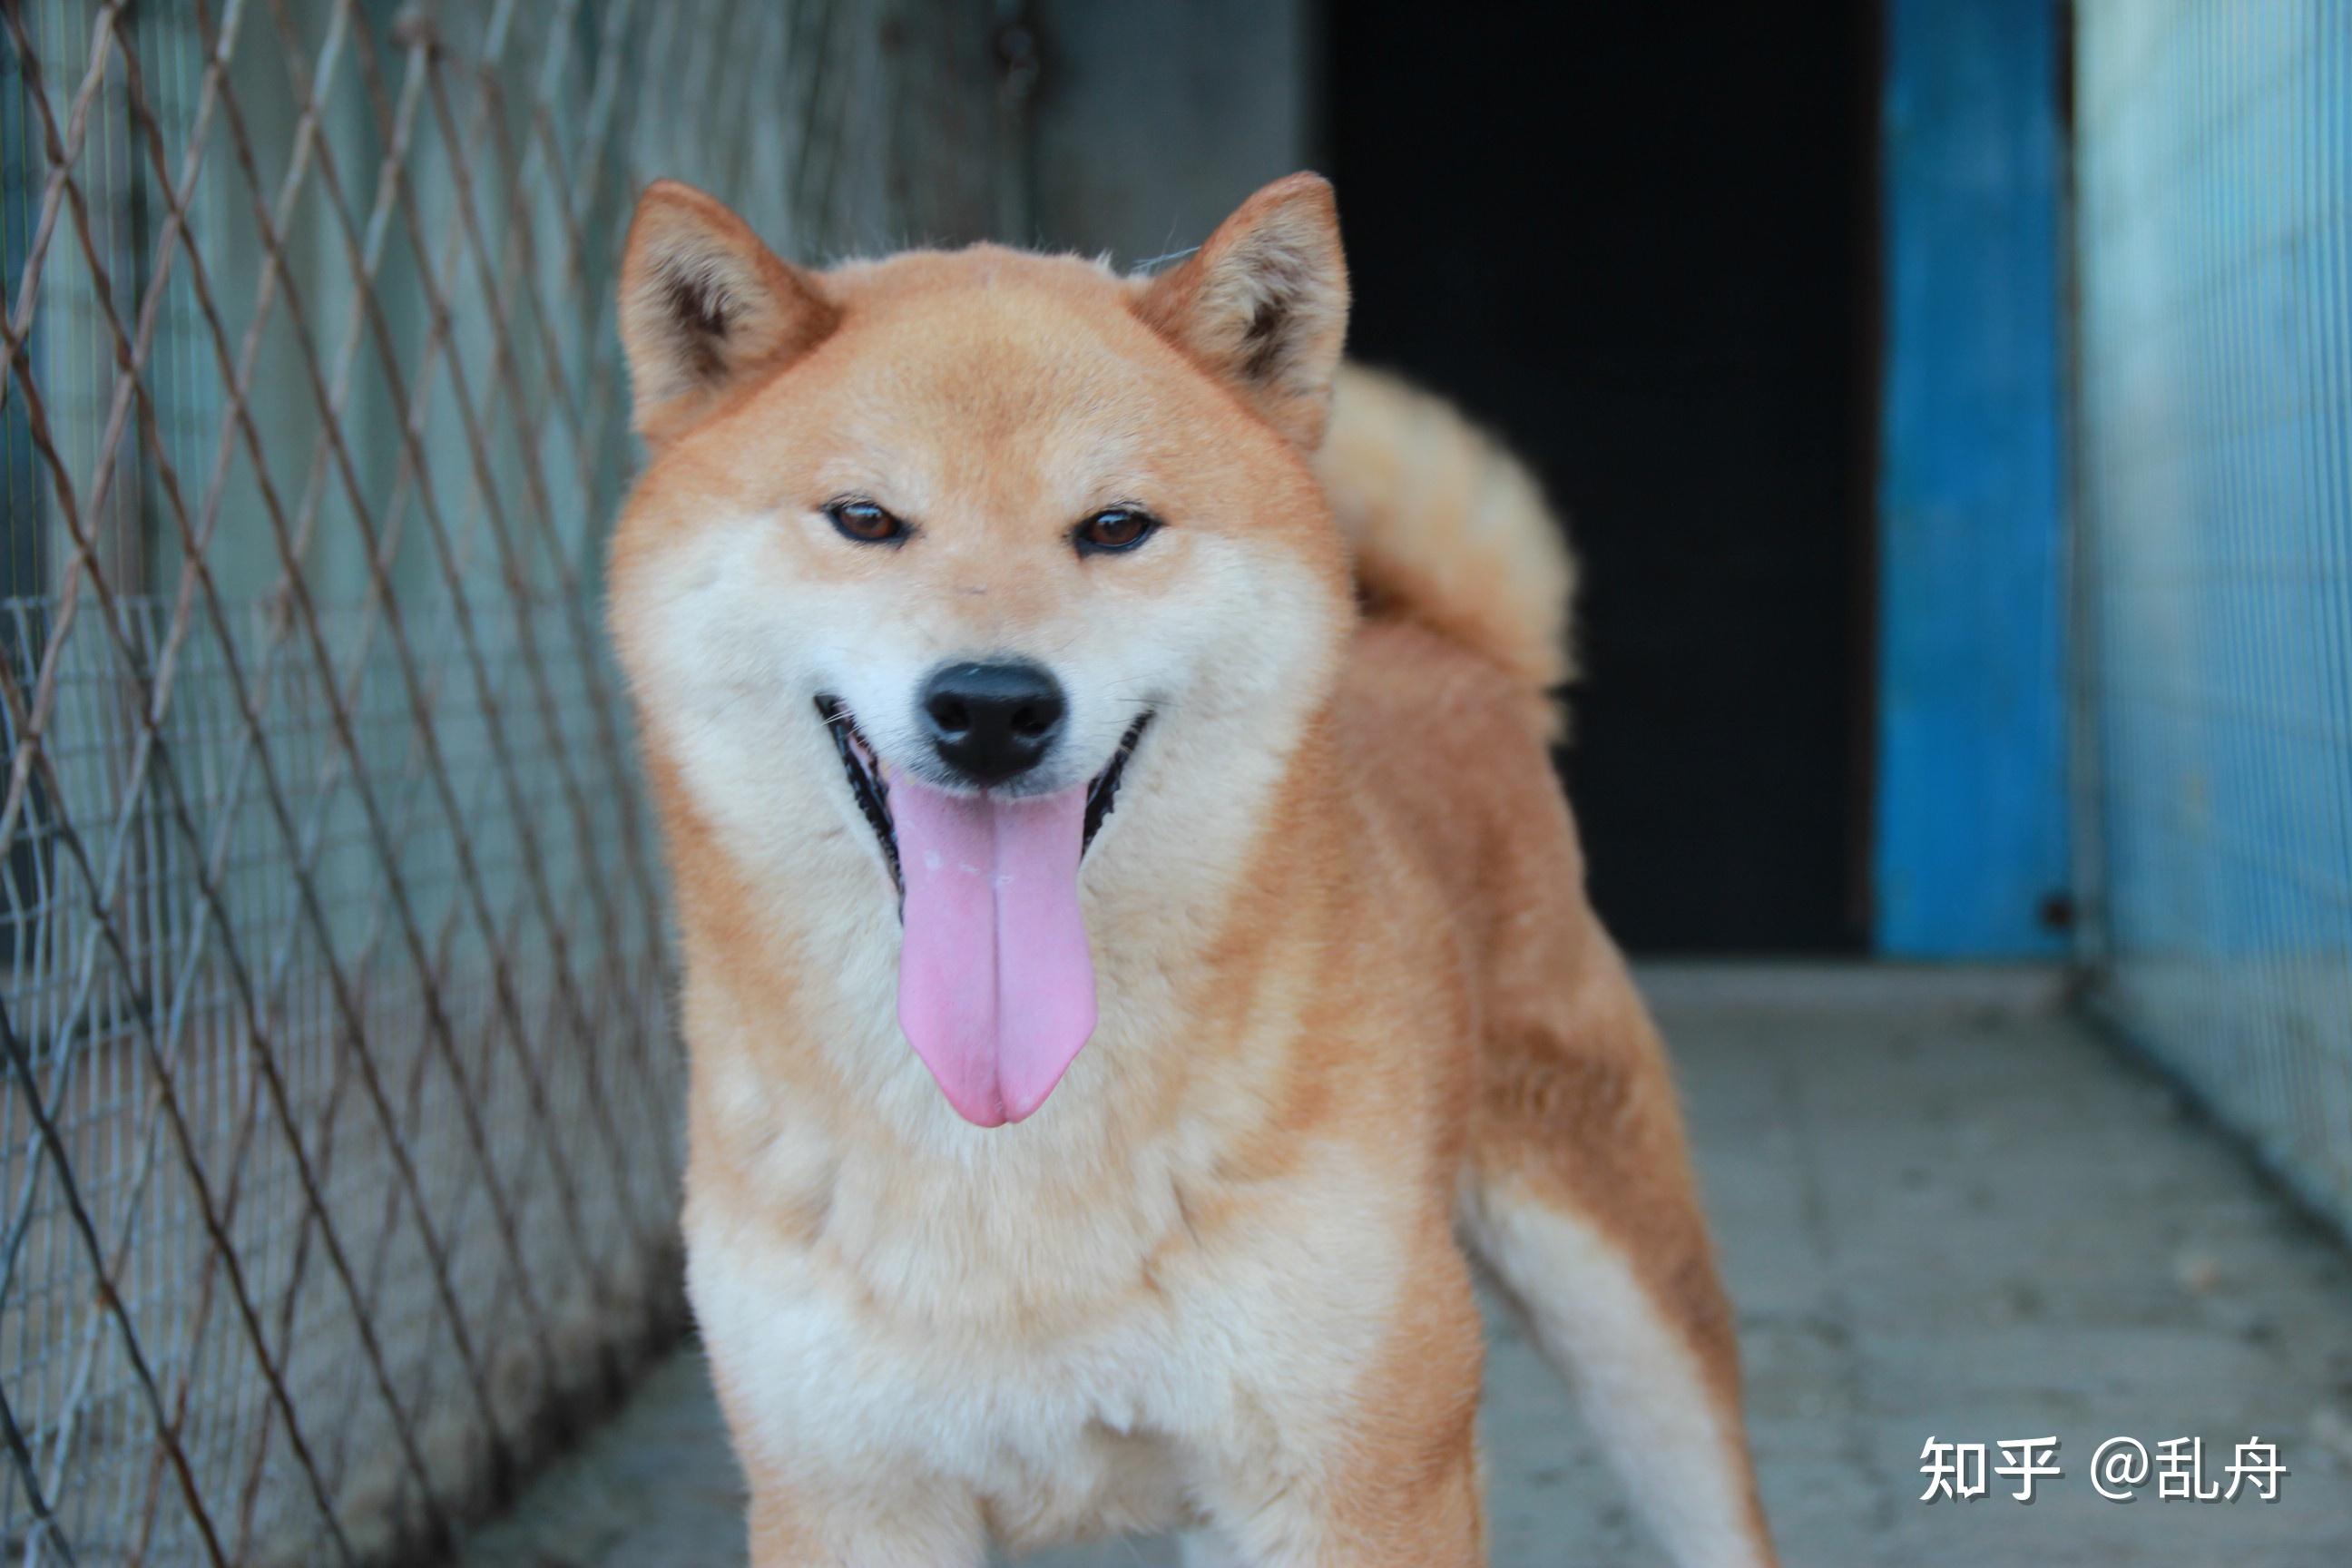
column 996, row 992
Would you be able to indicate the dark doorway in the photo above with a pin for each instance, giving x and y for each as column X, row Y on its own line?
column 1636, row 239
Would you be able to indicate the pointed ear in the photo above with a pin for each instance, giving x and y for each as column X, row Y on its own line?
column 704, row 304
column 1263, row 304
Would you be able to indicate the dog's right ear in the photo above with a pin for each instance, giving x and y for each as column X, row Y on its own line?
column 705, row 304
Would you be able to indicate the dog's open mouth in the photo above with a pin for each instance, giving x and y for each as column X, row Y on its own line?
column 870, row 786
column 996, row 984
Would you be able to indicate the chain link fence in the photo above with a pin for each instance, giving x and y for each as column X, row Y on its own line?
column 340, row 1114
column 2213, row 173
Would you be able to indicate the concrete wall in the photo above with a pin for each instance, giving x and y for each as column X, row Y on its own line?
column 1151, row 120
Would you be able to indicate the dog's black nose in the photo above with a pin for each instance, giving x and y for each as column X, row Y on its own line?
column 991, row 722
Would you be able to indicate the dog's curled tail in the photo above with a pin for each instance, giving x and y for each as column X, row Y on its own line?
column 1448, row 528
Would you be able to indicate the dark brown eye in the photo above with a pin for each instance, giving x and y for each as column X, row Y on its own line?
column 1114, row 529
column 865, row 522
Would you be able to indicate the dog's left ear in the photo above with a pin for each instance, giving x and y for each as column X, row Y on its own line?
column 704, row 307
column 1263, row 304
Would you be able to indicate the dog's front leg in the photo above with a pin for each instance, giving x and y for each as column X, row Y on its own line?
column 1388, row 1475
column 1417, row 1509
column 880, row 1521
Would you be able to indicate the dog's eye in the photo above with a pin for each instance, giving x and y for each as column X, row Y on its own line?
column 865, row 522
column 1114, row 529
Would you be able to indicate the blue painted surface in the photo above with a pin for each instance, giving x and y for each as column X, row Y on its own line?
column 1971, row 831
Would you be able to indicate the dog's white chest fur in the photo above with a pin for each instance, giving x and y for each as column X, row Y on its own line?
column 1067, row 1366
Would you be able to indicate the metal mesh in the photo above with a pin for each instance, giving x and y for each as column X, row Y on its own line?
column 338, row 1119
column 2214, row 179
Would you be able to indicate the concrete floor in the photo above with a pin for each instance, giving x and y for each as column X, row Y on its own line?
column 1945, row 1211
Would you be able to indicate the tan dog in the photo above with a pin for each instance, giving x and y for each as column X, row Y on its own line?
column 1005, row 692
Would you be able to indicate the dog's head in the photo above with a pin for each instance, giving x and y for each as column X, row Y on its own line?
column 940, row 559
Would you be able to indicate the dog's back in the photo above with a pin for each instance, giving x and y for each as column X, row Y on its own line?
column 1577, row 1189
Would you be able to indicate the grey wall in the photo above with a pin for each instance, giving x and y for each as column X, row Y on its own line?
column 1151, row 120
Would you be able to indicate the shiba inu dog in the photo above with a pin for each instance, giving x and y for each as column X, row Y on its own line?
column 1132, row 926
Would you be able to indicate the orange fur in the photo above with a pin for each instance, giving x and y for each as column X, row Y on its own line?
column 1349, row 978
column 1447, row 527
